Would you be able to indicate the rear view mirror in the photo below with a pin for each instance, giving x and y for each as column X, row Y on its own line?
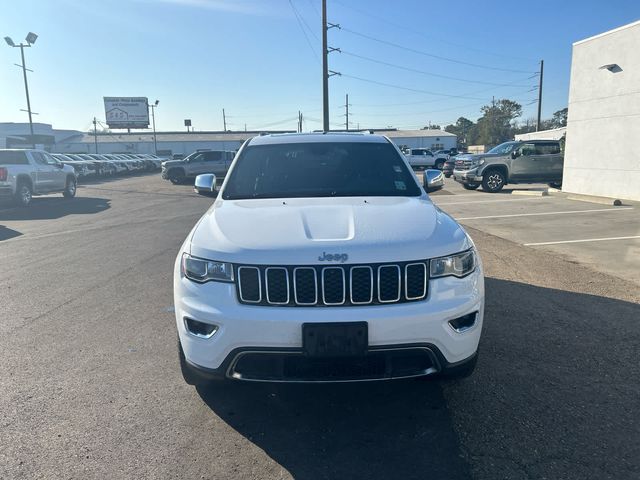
column 205, row 185
column 433, row 180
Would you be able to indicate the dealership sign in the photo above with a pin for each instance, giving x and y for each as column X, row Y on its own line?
column 127, row 112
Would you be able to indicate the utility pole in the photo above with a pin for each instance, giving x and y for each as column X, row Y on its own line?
column 95, row 133
column 540, row 95
column 346, row 106
column 325, row 70
column 299, row 121
column 224, row 120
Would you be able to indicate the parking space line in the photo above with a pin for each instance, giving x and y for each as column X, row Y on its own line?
column 494, row 201
column 581, row 241
column 567, row 212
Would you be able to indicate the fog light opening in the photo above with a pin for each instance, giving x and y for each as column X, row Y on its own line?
column 462, row 324
column 200, row 329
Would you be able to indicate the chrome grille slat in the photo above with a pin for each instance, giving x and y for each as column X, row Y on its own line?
column 332, row 285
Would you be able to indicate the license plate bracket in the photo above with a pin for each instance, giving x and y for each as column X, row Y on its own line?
column 335, row 339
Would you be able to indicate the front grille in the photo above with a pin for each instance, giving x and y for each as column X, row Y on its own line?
column 464, row 164
column 346, row 285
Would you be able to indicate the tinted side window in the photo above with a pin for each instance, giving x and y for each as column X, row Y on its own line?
column 39, row 158
column 550, row 148
column 8, row 157
column 212, row 156
column 528, row 149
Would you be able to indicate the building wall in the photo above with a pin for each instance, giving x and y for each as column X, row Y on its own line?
column 554, row 134
column 602, row 156
column 426, row 142
column 182, row 147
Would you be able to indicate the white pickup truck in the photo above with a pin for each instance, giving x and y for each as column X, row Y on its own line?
column 323, row 259
column 25, row 173
column 422, row 158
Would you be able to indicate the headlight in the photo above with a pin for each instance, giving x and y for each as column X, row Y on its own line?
column 458, row 265
column 201, row 270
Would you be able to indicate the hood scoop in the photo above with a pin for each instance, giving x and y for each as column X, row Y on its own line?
column 323, row 223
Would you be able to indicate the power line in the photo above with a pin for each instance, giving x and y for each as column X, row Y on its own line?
column 437, row 100
column 423, row 72
column 406, row 28
column 426, row 54
column 375, row 82
column 302, row 23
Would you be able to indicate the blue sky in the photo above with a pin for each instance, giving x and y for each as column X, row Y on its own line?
column 252, row 58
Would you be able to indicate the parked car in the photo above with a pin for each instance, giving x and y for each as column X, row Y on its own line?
column 25, row 173
column 323, row 259
column 420, row 158
column 210, row 161
column 533, row 161
column 80, row 168
column 449, row 165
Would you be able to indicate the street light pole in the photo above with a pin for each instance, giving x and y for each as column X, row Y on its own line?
column 153, row 117
column 31, row 39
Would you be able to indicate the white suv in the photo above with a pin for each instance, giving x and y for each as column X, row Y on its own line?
column 323, row 259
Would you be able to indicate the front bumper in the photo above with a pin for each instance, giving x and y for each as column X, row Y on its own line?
column 246, row 328
column 467, row 176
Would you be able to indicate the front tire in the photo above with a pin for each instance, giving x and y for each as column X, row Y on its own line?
column 493, row 181
column 71, row 188
column 24, row 194
column 439, row 165
column 176, row 176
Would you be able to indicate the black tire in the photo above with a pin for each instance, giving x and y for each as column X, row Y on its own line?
column 439, row 165
column 493, row 180
column 447, row 175
column 176, row 176
column 24, row 194
column 467, row 186
column 555, row 185
column 463, row 371
column 71, row 188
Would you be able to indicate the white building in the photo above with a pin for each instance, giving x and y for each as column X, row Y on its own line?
column 432, row 139
column 553, row 134
column 602, row 153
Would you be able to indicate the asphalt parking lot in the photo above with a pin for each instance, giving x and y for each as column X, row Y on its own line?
column 90, row 385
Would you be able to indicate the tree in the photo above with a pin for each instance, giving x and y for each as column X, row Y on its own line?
column 559, row 118
column 465, row 130
column 495, row 125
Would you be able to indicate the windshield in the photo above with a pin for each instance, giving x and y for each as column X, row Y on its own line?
column 320, row 170
column 504, row 148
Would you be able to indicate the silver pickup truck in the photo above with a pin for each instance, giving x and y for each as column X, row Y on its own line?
column 25, row 173
column 197, row 163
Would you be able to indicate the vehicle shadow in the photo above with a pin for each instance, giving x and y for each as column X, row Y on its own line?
column 379, row 430
column 48, row 208
column 7, row 233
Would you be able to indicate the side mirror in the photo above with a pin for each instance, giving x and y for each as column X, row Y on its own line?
column 433, row 180
column 205, row 185
column 515, row 154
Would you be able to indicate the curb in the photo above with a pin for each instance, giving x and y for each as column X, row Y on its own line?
column 531, row 193
column 593, row 199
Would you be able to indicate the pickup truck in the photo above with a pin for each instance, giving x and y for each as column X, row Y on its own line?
column 533, row 161
column 421, row 158
column 322, row 258
column 209, row 161
column 25, row 173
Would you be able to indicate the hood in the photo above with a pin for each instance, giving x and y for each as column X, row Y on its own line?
column 172, row 163
column 477, row 156
column 300, row 231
